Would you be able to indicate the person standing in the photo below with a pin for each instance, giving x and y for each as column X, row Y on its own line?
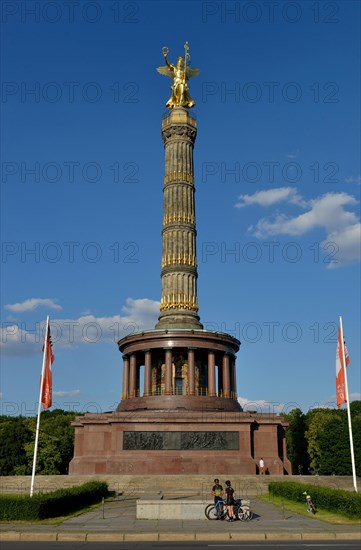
column 217, row 493
column 230, row 494
column 261, row 467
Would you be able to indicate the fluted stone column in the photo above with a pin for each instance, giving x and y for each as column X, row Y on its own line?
column 133, row 375
column 211, row 374
column 226, row 376
column 179, row 302
column 191, row 372
column 168, row 372
column 147, row 373
column 125, row 389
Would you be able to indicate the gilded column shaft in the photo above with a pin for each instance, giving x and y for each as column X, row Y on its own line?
column 179, row 302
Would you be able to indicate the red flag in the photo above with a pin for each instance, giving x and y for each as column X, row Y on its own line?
column 340, row 370
column 46, row 397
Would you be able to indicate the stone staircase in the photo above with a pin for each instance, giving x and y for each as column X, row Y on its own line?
column 169, row 486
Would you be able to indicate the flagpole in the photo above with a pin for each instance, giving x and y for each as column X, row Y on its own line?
column 39, row 407
column 348, row 408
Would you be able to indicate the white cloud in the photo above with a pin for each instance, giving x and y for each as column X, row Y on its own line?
column 139, row 314
column 18, row 342
column 344, row 246
column 269, row 197
column 70, row 393
column 327, row 212
column 33, row 303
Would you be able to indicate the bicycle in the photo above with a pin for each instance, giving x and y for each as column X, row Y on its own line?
column 218, row 510
column 310, row 507
column 243, row 510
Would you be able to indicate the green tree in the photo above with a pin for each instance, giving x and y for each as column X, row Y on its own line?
column 57, row 423
column 48, row 455
column 356, row 431
column 335, row 457
column 296, row 441
column 328, row 441
column 56, row 443
column 355, row 409
column 316, row 420
column 55, row 447
column 13, row 436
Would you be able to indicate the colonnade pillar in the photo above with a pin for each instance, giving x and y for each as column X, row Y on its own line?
column 227, row 384
column 191, row 372
column 226, row 379
column 125, row 388
column 211, row 374
column 147, row 373
column 168, row 372
column 133, row 376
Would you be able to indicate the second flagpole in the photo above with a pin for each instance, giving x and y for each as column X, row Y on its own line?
column 39, row 407
column 348, row 408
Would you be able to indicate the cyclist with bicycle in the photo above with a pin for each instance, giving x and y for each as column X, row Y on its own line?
column 217, row 492
column 230, row 500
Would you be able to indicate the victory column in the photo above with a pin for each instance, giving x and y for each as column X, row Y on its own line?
column 179, row 412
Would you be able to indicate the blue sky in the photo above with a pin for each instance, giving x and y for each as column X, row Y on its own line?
column 277, row 172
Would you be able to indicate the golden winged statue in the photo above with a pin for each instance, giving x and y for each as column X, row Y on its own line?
column 180, row 73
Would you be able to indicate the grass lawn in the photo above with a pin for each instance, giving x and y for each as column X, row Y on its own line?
column 300, row 508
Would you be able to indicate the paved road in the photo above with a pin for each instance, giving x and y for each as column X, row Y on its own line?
column 119, row 523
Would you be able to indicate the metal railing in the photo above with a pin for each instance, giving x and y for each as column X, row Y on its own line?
column 200, row 391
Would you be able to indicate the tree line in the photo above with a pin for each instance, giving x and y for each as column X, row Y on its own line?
column 55, row 447
column 317, row 442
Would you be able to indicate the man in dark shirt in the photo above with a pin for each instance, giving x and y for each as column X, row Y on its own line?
column 217, row 493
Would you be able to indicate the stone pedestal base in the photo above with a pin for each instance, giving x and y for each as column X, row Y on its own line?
column 185, row 420
column 178, row 442
column 157, row 509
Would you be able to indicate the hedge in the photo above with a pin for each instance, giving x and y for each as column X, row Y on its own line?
column 333, row 500
column 49, row 505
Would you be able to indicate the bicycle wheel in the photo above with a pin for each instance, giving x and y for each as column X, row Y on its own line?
column 241, row 514
column 245, row 514
column 211, row 511
column 312, row 508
